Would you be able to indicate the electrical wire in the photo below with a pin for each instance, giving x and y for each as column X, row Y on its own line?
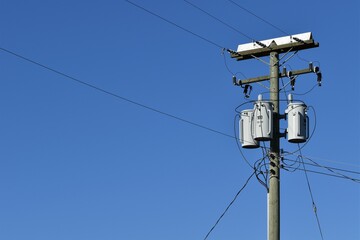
column 247, row 36
column 326, row 174
column 332, row 161
column 227, row 208
column 321, row 166
column 237, row 108
column 284, row 88
column 226, row 65
column 219, row 20
column 116, row 95
column 332, row 171
column 177, row 25
column 262, row 19
column 295, row 163
column 302, row 59
column 307, row 92
column 285, row 61
column 228, row 68
column 311, row 195
column 258, row 166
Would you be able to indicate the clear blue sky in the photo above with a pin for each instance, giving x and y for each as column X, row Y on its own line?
column 79, row 164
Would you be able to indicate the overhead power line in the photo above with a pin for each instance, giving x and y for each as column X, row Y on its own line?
column 322, row 166
column 231, row 203
column 116, row 95
column 326, row 160
column 219, row 20
column 177, row 25
column 332, row 171
column 257, row 16
column 312, row 197
column 326, row 174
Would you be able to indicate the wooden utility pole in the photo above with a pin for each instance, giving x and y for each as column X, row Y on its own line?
column 273, row 48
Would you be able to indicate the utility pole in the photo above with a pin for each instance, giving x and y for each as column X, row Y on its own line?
column 274, row 181
column 272, row 48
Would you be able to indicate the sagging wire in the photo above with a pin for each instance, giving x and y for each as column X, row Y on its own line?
column 284, row 88
column 311, row 194
column 301, row 58
column 227, row 208
column 265, row 178
column 336, row 162
column 225, row 62
column 330, row 175
column 294, row 166
column 261, row 168
column 335, row 171
column 315, row 69
column 307, row 92
column 247, row 102
column 261, row 173
column 320, row 166
column 331, row 170
column 247, row 88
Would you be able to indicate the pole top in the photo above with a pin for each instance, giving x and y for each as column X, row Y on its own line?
column 282, row 44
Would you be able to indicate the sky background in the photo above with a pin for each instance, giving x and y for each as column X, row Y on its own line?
column 77, row 163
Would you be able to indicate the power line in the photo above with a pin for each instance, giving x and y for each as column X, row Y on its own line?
column 327, row 167
column 227, row 208
column 219, row 20
column 332, row 161
column 322, row 173
column 307, row 92
column 115, row 95
column 257, row 16
column 311, row 195
column 177, row 25
column 331, row 170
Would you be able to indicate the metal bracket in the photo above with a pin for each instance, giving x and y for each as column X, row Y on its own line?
column 282, row 116
column 282, row 134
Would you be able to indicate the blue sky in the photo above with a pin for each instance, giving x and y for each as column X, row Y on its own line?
column 80, row 164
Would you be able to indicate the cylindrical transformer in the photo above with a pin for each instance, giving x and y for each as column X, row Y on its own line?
column 246, row 129
column 298, row 122
column 263, row 120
